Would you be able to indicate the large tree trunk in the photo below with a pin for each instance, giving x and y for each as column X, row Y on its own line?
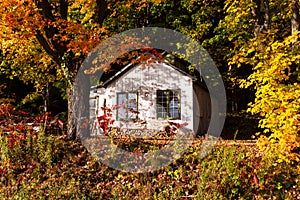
column 78, row 103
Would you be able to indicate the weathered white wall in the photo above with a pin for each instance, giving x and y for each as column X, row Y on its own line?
column 146, row 80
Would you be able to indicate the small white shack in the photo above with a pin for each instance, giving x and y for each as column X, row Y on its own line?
column 150, row 95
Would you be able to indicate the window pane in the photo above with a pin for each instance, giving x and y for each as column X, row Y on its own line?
column 122, row 102
column 174, row 104
column 92, row 103
column 162, row 97
column 168, row 104
column 132, row 105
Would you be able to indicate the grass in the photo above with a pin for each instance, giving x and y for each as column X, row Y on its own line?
column 50, row 167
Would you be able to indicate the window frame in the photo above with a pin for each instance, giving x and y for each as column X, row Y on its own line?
column 168, row 104
column 126, row 105
column 94, row 109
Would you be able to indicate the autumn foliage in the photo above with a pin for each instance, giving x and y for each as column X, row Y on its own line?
column 268, row 57
column 255, row 44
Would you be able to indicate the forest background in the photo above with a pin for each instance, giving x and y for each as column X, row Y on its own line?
column 253, row 42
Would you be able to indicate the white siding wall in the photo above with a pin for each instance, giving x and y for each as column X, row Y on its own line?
column 146, row 80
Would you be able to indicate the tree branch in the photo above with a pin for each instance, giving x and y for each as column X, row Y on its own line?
column 64, row 9
column 46, row 8
column 260, row 22
column 267, row 14
column 295, row 16
column 101, row 11
column 53, row 54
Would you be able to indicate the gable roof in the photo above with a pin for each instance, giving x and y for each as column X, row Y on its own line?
column 132, row 65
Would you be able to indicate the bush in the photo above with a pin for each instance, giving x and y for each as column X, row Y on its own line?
column 43, row 166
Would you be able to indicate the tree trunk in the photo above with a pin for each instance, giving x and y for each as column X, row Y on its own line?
column 77, row 91
column 295, row 24
column 295, row 17
column 71, row 128
column 260, row 22
column 78, row 103
column 101, row 11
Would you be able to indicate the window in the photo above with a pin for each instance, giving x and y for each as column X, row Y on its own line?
column 128, row 104
column 94, row 108
column 168, row 104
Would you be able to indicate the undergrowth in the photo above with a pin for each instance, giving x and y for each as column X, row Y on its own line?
column 49, row 167
column 38, row 165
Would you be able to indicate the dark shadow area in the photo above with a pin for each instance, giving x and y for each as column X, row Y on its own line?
column 240, row 126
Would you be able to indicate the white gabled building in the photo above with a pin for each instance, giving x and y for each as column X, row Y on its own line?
column 157, row 93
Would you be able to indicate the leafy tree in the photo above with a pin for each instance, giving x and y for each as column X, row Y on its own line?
column 47, row 40
column 264, row 44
